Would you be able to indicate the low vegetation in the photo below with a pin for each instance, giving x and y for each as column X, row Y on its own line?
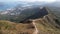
column 7, row 27
column 47, row 25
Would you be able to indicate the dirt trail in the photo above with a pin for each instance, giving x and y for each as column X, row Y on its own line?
column 36, row 30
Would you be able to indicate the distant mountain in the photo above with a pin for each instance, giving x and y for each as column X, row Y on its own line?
column 23, row 13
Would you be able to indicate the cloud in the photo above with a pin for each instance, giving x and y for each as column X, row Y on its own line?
column 28, row 0
column 38, row 0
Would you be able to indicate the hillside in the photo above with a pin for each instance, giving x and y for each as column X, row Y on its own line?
column 7, row 27
column 48, row 25
column 55, row 11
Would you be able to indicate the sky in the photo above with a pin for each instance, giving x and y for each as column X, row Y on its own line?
column 28, row 0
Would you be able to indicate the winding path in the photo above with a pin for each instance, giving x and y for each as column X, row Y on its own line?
column 36, row 30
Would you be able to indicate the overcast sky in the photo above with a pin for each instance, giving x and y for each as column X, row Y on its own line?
column 28, row 0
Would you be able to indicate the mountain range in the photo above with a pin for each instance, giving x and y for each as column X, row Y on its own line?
column 30, row 18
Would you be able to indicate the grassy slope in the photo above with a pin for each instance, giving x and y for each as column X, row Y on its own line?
column 45, row 26
column 7, row 27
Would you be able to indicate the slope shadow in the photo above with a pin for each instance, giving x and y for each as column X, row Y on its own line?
column 39, row 14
